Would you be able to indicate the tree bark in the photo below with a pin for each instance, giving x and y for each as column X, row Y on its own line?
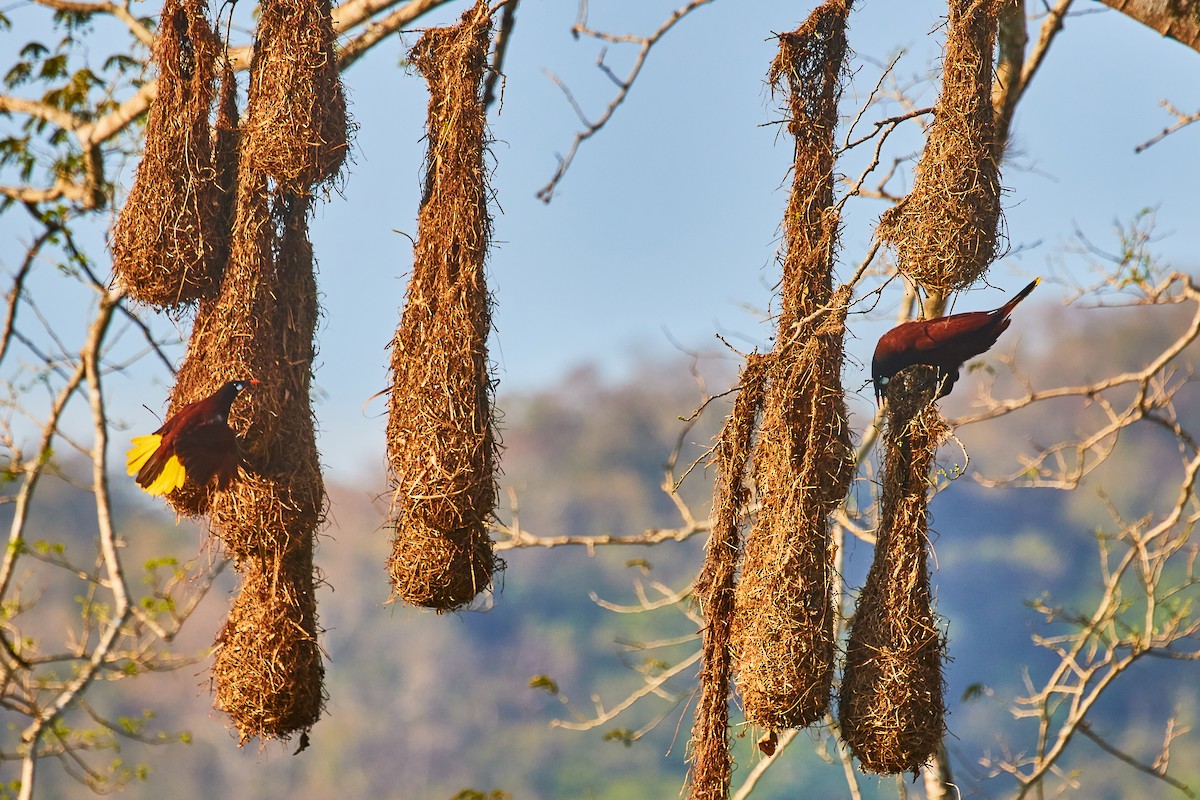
column 1174, row 19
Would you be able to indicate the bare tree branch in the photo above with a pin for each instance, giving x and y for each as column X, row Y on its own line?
column 1182, row 120
column 516, row 537
column 13, row 299
column 758, row 770
column 546, row 193
column 1150, row 769
column 1174, row 19
column 45, row 719
column 1011, row 41
column 353, row 13
column 63, row 119
column 118, row 10
column 508, row 21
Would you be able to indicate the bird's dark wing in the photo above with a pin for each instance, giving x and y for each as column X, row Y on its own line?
column 949, row 341
column 940, row 331
column 208, row 451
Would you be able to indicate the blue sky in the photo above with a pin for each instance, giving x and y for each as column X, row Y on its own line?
column 667, row 223
column 666, row 226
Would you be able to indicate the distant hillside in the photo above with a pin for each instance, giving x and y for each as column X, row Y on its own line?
column 423, row 706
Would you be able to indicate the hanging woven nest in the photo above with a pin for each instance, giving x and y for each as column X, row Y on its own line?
column 783, row 627
column 262, row 326
column 166, row 246
column 442, row 443
column 946, row 232
column 296, row 128
column 268, row 673
column 891, row 703
column 712, row 764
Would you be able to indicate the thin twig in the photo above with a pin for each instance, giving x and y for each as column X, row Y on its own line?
column 1085, row 728
column 508, row 21
column 546, row 193
column 758, row 770
column 1182, row 120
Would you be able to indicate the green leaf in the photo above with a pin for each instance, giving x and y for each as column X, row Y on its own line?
column 34, row 50
column 54, row 67
column 73, row 20
column 121, row 62
column 544, row 682
column 622, row 735
column 19, row 74
column 975, row 691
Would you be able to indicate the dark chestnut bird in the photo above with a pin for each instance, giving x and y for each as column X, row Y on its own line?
column 195, row 444
column 943, row 342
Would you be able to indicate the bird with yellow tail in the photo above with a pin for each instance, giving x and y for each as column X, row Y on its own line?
column 196, row 444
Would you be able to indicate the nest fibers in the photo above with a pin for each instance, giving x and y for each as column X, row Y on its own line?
column 296, row 127
column 226, row 144
column 262, row 327
column 441, row 438
column 219, row 333
column 268, row 671
column 891, row 705
column 946, row 231
column 783, row 627
column 166, row 244
column 269, row 520
column 714, row 591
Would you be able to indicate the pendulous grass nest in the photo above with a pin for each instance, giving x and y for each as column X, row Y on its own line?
column 442, row 442
column 712, row 764
column 783, row 625
column 891, row 703
column 167, row 243
column 946, row 232
column 296, row 129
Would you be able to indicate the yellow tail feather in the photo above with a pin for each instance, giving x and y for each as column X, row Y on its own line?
column 139, row 454
column 170, row 479
column 173, row 474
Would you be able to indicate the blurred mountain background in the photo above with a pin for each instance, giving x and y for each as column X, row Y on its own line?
column 424, row 706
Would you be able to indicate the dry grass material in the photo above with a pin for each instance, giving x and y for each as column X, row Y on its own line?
column 809, row 348
column 442, row 445
column 809, row 67
column 891, row 705
column 712, row 764
column 296, row 127
column 224, row 326
column 166, row 243
column 226, row 146
column 783, row 628
column 268, row 672
column 261, row 326
column 946, row 231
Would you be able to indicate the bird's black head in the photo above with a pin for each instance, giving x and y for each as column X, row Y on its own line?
column 225, row 396
column 880, row 379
